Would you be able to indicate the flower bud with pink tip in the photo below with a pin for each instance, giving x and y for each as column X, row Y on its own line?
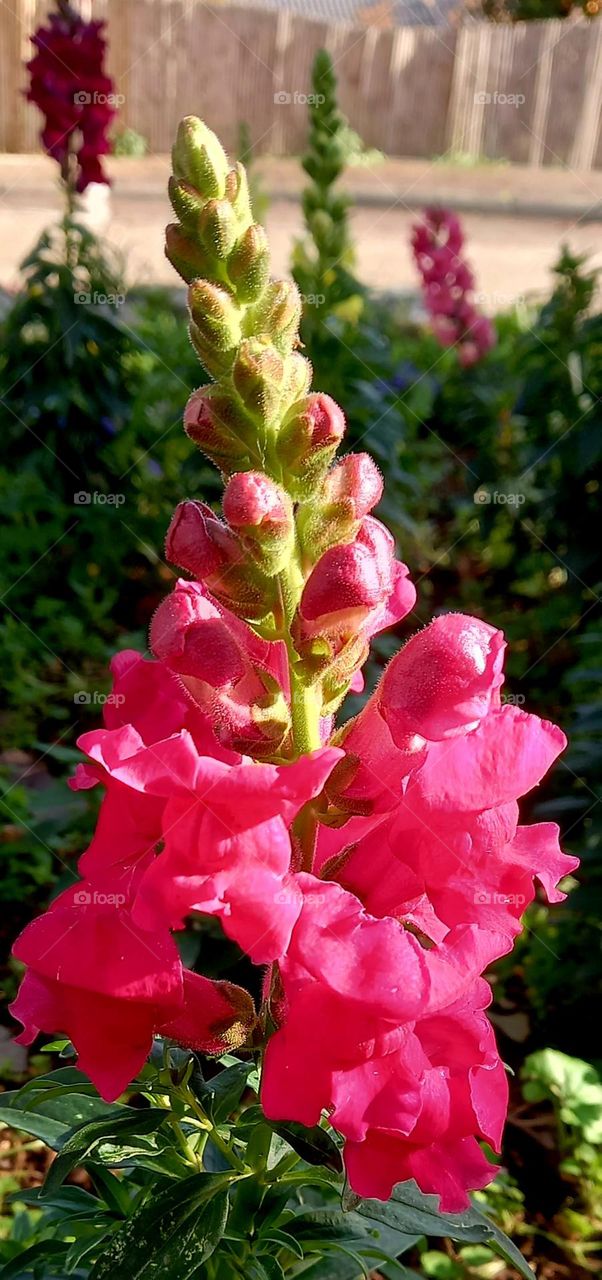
column 354, row 591
column 349, row 491
column 308, row 442
column 261, row 512
column 444, row 681
column 203, row 545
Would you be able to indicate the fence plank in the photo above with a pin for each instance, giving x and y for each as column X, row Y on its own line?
column 529, row 92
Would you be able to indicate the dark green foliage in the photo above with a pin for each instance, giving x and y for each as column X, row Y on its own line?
column 157, row 1208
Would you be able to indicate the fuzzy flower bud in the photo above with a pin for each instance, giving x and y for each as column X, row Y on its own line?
column 258, row 375
column 261, row 512
column 308, row 442
column 203, row 545
column 444, row 680
column 348, row 493
column 215, row 329
column 218, row 228
column 278, row 314
column 189, row 260
column 249, row 264
column 199, row 158
column 213, row 420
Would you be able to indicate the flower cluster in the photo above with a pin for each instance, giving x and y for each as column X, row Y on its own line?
column 375, row 870
column 448, row 287
column 72, row 90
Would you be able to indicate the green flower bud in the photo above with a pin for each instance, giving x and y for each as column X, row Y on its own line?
column 249, row 264
column 186, row 203
column 217, row 228
column 189, row 260
column 258, row 375
column 215, row 329
column 237, row 192
column 199, row 158
column 223, row 431
column 278, row 314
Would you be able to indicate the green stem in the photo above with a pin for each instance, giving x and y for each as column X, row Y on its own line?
column 213, row 1132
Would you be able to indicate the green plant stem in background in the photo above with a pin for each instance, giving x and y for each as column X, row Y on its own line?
column 323, row 261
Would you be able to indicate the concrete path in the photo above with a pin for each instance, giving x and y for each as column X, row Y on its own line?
column 515, row 218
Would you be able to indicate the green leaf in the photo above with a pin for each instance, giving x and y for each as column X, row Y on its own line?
column 410, row 1211
column 222, row 1094
column 171, row 1235
column 315, row 1145
column 21, row 1266
column 264, row 1268
column 44, row 1127
column 82, row 1141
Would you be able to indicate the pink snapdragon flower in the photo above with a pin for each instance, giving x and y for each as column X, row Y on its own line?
column 448, row 287
column 376, row 870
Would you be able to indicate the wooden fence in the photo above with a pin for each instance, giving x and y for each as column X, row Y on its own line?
column 530, row 92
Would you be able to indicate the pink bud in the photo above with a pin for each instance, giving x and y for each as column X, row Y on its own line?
column 189, row 635
column 357, row 481
column 262, row 514
column 349, row 581
column 252, row 499
column 308, row 440
column 200, row 543
column 323, row 421
column 444, row 680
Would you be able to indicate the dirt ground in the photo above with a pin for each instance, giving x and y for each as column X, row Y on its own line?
column 515, row 218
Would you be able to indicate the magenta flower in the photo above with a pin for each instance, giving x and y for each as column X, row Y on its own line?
column 448, row 287
column 75, row 95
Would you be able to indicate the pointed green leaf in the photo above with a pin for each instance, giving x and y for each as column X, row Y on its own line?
column 171, row 1235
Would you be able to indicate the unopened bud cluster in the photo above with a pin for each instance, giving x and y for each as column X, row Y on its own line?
column 296, row 559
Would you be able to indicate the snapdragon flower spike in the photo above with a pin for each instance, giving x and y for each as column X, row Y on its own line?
column 70, row 86
column 448, row 287
column 377, row 869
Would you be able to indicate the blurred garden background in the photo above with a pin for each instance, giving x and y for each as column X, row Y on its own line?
column 433, row 182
